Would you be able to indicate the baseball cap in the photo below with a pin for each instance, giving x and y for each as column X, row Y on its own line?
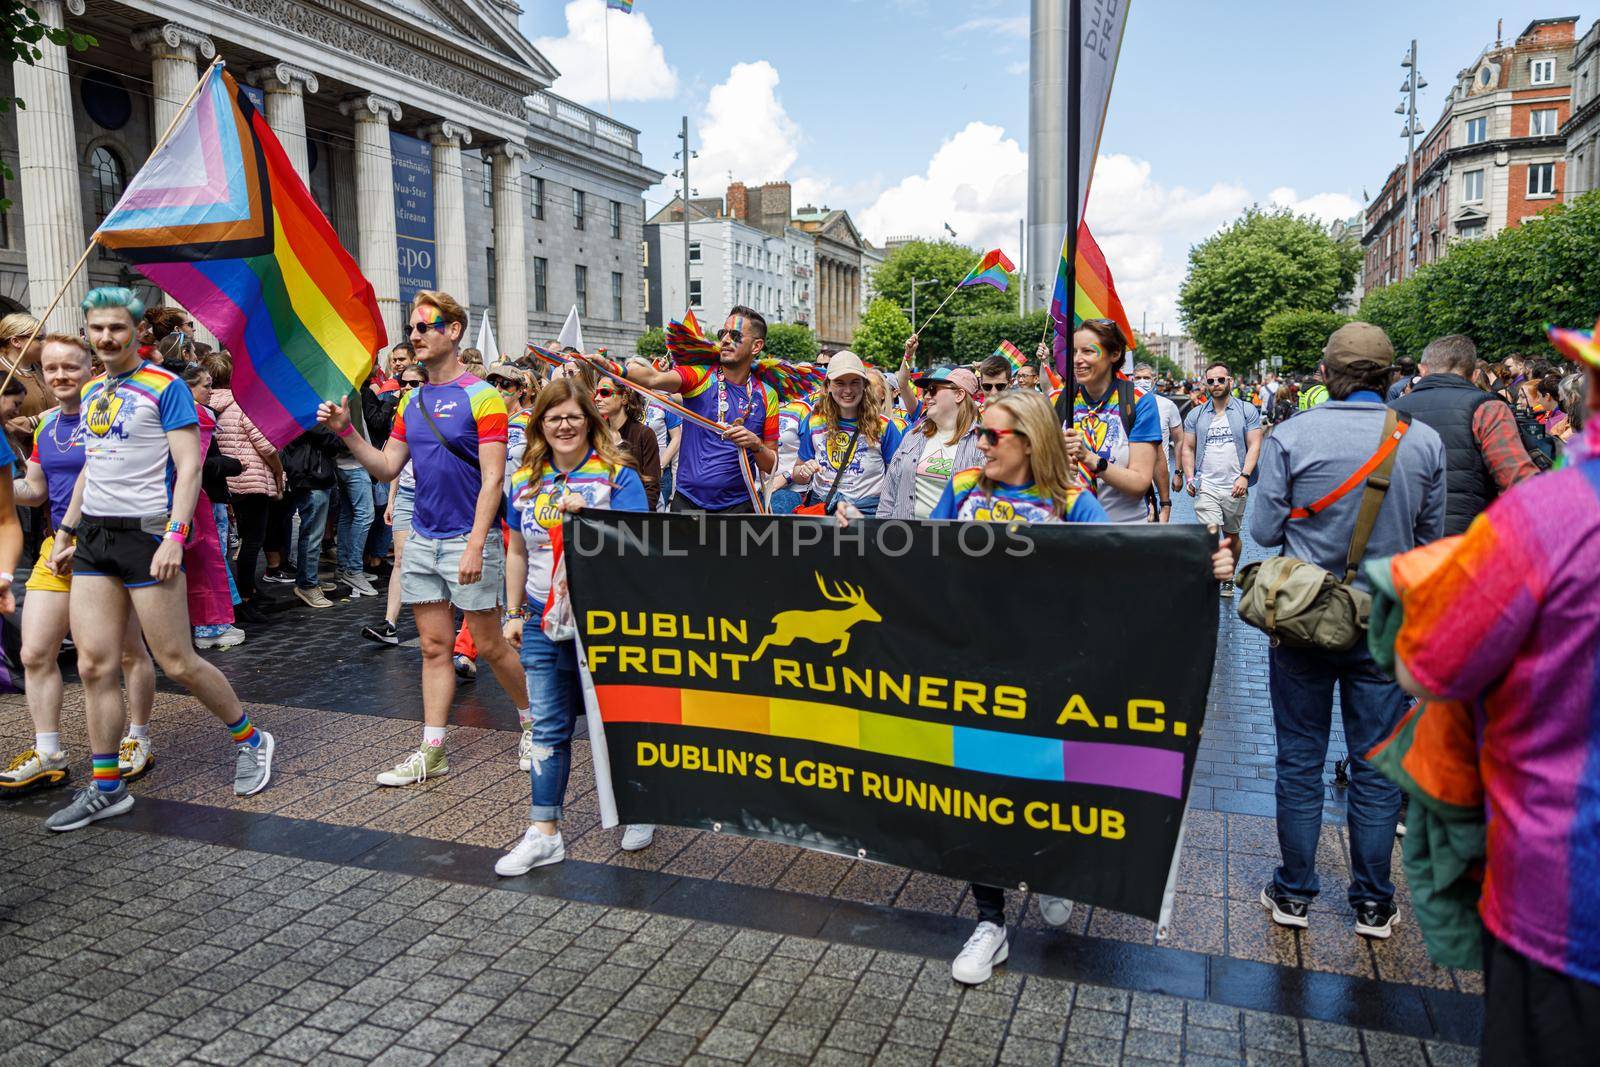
column 843, row 363
column 1359, row 347
column 506, row 370
column 960, row 377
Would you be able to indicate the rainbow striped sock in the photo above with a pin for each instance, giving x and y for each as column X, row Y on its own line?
column 107, row 775
column 244, row 733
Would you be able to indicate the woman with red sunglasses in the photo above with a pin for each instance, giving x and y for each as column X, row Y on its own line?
column 623, row 411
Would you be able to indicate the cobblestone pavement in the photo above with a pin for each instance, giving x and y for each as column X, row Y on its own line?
column 344, row 708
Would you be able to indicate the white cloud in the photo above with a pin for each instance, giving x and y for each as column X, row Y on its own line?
column 639, row 68
column 999, row 27
column 1019, row 67
column 745, row 131
column 976, row 182
column 1328, row 207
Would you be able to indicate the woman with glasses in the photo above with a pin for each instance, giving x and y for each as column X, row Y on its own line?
column 847, row 441
column 572, row 462
column 1114, row 432
column 623, row 411
column 945, row 441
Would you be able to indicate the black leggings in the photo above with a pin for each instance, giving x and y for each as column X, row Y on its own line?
column 250, row 511
column 990, row 902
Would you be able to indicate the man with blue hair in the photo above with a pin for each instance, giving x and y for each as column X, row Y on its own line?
column 123, row 536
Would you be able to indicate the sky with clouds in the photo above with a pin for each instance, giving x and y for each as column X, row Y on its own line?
column 912, row 114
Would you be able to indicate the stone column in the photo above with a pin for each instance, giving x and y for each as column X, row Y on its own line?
column 379, row 252
column 173, row 51
column 52, row 203
column 450, row 209
column 822, row 298
column 510, row 253
column 286, row 85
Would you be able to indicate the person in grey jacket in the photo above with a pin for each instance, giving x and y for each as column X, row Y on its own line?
column 1304, row 461
column 943, row 442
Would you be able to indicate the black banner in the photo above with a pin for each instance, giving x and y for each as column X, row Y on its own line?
column 1008, row 705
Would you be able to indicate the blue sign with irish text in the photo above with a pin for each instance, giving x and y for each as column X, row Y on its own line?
column 413, row 214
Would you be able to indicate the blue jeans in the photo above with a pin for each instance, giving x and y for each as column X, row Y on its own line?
column 312, row 504
column 355, row 517
column 219, row 512
column 555, row 700
column 381, row 537
column 1302, row 684
column 666, row 488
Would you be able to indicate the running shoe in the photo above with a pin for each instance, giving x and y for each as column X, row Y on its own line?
column 358, row 583
column 466, row 668
column 278, row 576
column 134, row 757
column 313, row 598
column 254, row 767
column 984, row 950
column 525, row 750
column 534, row 850
column 1376, row 919
column 1055, row 910
column 1286, row 910
column 637, row 838
column 90, row 804
column 426, row 762
column 34, row 770
column 227, row 639
column 385, row 634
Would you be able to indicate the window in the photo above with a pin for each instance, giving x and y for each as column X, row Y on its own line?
column 616, row 296
column 1471, row 231
column 1472, row 185
column 577, row 209
column 1541, row 71
column 489, row 258
column 488, row 189
column 1477, row 130
column 1542, row 122
column 541, row 284
column 105, row 167
column 538, row 198
column 694, row 292
column 580, row 287
column 1541, row 179
column 616, row 220
column 694, row 251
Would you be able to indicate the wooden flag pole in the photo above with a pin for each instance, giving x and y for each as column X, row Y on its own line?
column 94, row 238
column 940, row 308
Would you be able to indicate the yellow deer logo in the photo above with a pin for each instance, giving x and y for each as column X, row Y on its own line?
column 824, row 626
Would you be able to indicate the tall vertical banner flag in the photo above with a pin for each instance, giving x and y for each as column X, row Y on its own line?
column 412, row 170
column 220, row 220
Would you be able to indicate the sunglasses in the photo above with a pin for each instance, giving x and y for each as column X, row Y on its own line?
column 1216, row 381
column 603, row 393
column 994, row 387
column 423, row 327
column 736, row 336
column 504, row 383
column 991, row 438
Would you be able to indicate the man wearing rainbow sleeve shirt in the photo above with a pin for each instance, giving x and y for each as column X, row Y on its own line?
column 1509, row 624
column 453, row 430
column 123, row 535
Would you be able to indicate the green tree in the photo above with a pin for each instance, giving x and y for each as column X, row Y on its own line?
column 881, row 336
column 652, row 343
column 24, row 32
column 791, row 341
column 1295, row 339
column 946, row 263
column 977, row 336
column 1266, row 262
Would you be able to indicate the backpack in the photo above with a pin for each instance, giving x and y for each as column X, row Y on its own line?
column 1299, row 604
column 1540, row 446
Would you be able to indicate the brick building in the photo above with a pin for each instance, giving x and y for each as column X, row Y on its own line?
column 1495, row 158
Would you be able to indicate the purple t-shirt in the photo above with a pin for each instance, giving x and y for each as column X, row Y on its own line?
column 468, row 412
column 58, row 448
column 708, row 465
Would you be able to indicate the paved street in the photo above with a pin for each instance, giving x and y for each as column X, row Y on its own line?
column 327, row 918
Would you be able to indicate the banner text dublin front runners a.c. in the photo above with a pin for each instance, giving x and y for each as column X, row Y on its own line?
column 1006, row 705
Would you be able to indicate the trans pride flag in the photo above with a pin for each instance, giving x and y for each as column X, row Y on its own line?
column 220, row 220
column 1094, row 295
column 991, row 270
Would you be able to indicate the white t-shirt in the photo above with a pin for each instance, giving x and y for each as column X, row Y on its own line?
column 1221, row 465
column 125, row 424
column 935, row 466
column 1171, row 425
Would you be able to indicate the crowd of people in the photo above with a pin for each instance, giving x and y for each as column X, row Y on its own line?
column 149, row 498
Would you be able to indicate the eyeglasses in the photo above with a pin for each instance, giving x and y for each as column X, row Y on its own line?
column 736, row 336
column 1216, row 381
column 995, row 387
column 563, row 420
column 991, row 438
column 424, row 327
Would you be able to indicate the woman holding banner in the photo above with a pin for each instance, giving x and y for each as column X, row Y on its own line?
column 572, row 462
column 1026, row 476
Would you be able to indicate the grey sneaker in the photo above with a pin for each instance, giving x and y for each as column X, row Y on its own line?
column 254, row 769
column 90, row 804
column 357, row 582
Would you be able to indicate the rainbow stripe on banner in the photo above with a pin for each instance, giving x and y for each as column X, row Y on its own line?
column 992, row 269
column 220, row 220
column 1140, row 767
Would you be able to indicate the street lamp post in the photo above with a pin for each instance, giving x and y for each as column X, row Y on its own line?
column 1408, row 108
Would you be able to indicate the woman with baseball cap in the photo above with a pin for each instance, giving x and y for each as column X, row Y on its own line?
column 945, row 441
column 847, row 441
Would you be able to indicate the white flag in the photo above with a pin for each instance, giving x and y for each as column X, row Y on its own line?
column 571, row 332
column 486, row 345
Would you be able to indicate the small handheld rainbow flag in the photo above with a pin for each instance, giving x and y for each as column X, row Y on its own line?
column 992, row 269
column 624, row 6
column 1580, row 346
column 1013, row 355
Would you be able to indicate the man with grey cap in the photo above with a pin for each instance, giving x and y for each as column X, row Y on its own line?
column 1305, row 462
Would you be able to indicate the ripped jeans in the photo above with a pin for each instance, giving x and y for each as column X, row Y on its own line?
column 555, row 700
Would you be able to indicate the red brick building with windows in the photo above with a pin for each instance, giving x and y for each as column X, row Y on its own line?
column 1495, row 158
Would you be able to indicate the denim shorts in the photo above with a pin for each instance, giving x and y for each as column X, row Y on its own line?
column 429, row 572
column 404, row 497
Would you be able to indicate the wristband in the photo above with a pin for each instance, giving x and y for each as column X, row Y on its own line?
column 347, row 431
column 178, row 531
column 515, row 613
column 7, row 577
column 70, row 531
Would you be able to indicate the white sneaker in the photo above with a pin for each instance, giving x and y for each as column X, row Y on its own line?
column 359, row 586
column 226, row 639
column 34, row 770
column 984, row 949
column 638, row 837
column 134, row 757
column 534, row 850
column 525, row 750
column 1056, row 910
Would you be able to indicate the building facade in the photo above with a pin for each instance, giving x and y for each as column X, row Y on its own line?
column 1583, row 127
column 730, row 263
column 424, row 130
column 1496, row 157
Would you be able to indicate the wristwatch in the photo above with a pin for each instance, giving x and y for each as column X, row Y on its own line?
column 70, row 531
column 1100, row 468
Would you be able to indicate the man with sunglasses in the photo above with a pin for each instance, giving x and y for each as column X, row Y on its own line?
column 710, row 477
column 453, row 430
column 994, row 376
column 1219, row 473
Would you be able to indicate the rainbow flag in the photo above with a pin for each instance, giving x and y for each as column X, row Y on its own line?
column 991, row 270
column 219, row 219
column 689, row 346
column 1013, row 355
column 1094, row 295
column 624, row 6
column 1579, row 346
